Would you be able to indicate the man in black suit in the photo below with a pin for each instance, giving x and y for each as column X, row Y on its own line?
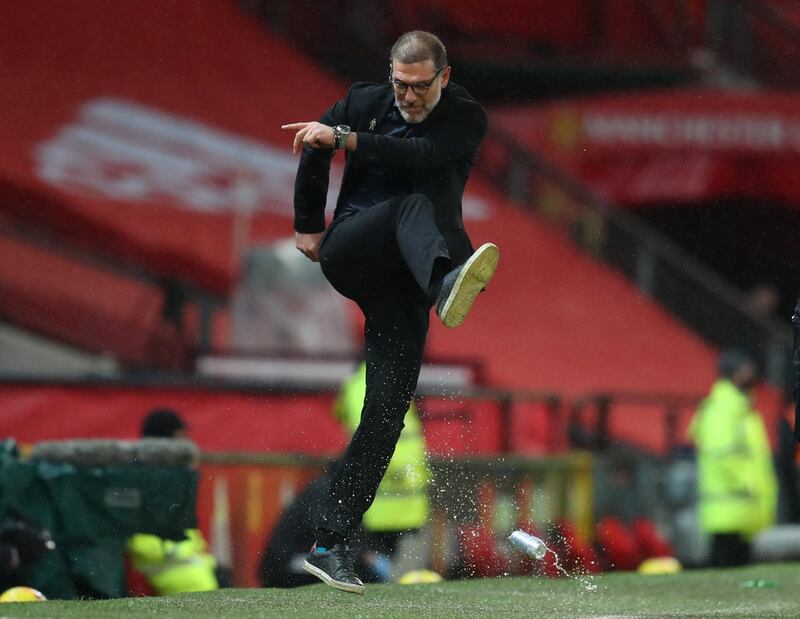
column 397, row 246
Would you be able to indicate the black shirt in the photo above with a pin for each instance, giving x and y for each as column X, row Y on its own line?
column 380, row 182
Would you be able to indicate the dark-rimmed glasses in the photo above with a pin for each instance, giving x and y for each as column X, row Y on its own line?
column 419, row 88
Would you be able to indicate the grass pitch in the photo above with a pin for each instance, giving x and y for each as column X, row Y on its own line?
column 701, row 593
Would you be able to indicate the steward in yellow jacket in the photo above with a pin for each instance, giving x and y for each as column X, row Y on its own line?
column 401, row 502
column 174, row 566
column 736, row 476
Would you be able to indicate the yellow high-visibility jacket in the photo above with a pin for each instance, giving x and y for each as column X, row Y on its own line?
column 736, row 476
column 174, row 566
column 401, row 502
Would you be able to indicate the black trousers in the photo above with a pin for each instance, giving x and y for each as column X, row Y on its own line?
column 729, row 550
column 384, row 258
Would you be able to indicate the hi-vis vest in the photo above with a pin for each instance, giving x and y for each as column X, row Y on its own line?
column 736, row 477
column 174, row 566
column 401, row 501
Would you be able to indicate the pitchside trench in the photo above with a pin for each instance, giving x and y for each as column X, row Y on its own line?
column 698, row 593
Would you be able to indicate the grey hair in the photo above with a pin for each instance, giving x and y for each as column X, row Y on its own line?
column 419, row 46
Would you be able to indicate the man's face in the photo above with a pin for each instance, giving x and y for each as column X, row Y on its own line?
column 416, row 107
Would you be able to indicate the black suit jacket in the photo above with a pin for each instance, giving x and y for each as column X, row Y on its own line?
column 437, row 154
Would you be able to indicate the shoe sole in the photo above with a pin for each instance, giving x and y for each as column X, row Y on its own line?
column 474, row 275
column 336, row 584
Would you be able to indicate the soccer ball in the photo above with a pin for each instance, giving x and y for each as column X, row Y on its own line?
column 22, row 594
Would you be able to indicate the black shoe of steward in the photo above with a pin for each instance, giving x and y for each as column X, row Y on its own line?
column 461, row 286
column 334, row 567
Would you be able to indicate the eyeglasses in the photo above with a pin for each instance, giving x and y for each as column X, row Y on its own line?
column 419, row 88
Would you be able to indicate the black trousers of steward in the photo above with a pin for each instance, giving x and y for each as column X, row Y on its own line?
column 383, row 258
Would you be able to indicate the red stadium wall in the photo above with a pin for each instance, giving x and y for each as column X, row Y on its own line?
column 222, row 421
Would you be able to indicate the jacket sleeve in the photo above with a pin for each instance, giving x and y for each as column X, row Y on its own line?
column 313, row 172
column 796, row 368
column 457, row 136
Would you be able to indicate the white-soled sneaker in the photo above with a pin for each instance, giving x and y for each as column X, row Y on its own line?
column 462, row 285
column 335, row 568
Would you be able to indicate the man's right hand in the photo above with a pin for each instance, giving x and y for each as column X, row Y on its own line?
column 308, row 244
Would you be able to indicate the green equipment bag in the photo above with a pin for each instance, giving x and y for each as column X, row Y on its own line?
column 92, row 501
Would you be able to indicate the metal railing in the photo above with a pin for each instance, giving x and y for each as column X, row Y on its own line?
column 512, row 406
column 597, row 421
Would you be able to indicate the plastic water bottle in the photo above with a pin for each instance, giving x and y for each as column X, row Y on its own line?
column 529, row 544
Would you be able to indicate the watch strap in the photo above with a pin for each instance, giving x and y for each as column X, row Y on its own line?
column 340, row 135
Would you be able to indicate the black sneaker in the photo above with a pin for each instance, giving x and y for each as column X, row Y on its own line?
column 461, row 286
column 334, row 567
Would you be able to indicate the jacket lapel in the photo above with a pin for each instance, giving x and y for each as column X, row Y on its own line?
column 376, row 112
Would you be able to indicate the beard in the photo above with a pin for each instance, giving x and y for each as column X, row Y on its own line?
column 420, row 111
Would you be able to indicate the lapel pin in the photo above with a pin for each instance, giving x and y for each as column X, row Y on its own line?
column 372, row 124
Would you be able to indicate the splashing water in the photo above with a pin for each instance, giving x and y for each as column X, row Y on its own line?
column 557, row 563
column 537, row 549
column 585, row 580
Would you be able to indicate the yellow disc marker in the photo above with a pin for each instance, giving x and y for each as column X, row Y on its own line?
column 657, row 566
column 419, row 577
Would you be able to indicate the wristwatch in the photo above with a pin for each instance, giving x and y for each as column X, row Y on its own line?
column 340, row 135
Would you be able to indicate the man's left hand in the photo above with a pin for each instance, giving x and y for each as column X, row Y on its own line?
column 315, row 134
column 308, row 244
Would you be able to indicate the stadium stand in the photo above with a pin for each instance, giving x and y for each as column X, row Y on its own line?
column 161, row 113
column 557, row 299
column 149, row 156
column 143, row 150
column 548, row 304
column 526, row 51
column 87, row 307
column 642, row 32
column 157, row 160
